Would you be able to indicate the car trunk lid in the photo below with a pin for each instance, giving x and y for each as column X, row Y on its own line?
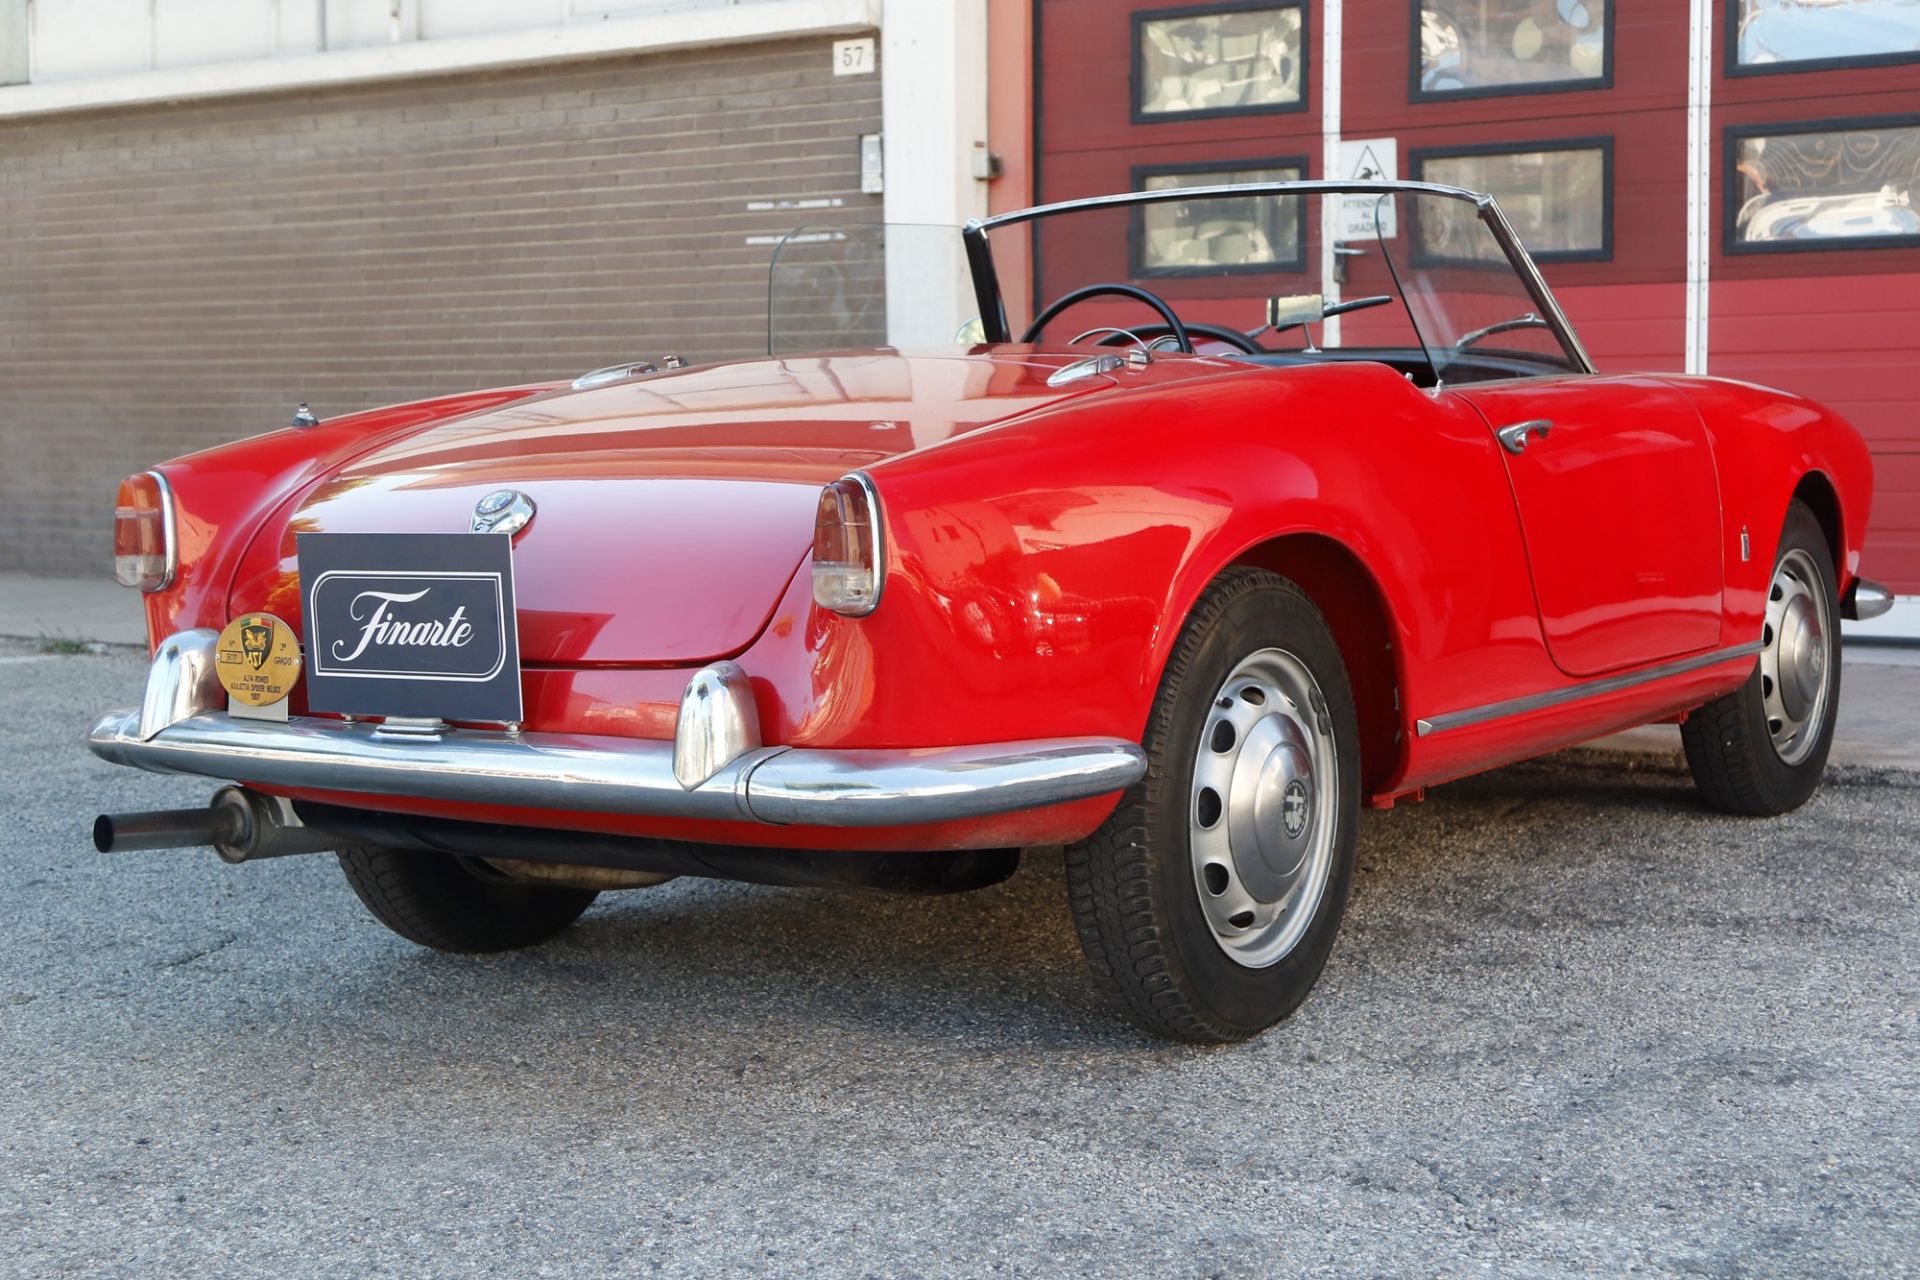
column 671, row 511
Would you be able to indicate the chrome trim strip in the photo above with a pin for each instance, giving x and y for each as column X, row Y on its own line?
column 1866, row 599
column 580, row 773
column 1574, row 693
column 1522, row 261
column 169, row 533
column 1313, row 187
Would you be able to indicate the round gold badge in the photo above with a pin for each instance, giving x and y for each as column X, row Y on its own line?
column 257, row 659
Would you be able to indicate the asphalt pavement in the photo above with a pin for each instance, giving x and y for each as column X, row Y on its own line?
column 1575, row 1025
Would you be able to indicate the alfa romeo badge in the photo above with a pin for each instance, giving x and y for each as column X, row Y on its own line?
column 257, row 659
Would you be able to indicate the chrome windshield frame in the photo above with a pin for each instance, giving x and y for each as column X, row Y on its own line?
column 993, row 309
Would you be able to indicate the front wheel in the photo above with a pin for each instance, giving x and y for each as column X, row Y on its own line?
column 1762, row 749
column 1208, row 902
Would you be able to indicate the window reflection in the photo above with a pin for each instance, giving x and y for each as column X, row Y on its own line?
column 1556, row 199
column 1776, row 31
column 1218, row 234
column 1477, row 45
column 1245, row 60
column 1853, row 184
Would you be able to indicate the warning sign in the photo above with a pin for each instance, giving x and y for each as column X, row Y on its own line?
column 1363, row 217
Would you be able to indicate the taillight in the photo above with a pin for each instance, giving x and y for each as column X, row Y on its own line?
column 849, row 552
column 143, row 546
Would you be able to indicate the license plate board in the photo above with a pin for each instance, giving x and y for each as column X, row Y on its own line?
column 411, row 625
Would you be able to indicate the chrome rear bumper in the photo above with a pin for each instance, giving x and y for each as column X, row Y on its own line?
column 178, row 730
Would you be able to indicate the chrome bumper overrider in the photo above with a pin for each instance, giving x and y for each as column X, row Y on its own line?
column 1866, row 599
column 177, row 730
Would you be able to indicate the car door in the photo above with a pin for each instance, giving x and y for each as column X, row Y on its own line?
column 1619, row 501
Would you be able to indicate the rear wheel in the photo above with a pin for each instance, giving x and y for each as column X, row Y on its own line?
column 1761, row 749
column 451, row 903
column 1208, row 902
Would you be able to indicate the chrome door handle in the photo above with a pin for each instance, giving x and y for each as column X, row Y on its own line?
column 1514, row 438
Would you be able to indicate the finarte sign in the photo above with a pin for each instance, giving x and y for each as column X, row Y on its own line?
column 411, row 625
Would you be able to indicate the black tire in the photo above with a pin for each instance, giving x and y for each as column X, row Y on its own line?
column 1730, row 741
column 455, row 904
column 1132, row 884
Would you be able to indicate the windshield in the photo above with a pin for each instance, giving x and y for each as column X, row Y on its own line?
column 1417, row 279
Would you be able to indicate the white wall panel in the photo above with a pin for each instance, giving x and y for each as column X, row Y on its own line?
column 440, row 18
column 91, row 37
column 359, row 24
column 190, row 32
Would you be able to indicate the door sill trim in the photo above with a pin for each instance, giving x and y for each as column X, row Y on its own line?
column 1576, row 692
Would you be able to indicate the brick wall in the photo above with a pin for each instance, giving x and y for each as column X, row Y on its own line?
column 174, row 277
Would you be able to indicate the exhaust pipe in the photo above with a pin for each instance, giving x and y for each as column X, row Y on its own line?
column 241, row 825
column 156, row 829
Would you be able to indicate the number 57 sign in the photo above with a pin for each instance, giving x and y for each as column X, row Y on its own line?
column 853, row 57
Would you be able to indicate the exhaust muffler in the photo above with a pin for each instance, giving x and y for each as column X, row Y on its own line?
column 241, row 825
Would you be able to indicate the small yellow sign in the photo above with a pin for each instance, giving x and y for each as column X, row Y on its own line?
column 257, row 659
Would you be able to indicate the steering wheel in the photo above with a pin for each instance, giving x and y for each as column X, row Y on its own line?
column 1054, row 308
column 1151, row 333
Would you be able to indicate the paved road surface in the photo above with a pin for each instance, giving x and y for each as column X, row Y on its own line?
column 1575, row 1025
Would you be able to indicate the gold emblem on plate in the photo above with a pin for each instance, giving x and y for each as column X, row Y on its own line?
column 257, row 659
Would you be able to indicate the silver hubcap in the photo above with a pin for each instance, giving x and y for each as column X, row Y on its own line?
column 1796, row 650
column 1264, row 812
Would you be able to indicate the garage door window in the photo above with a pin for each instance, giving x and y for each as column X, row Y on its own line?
column 1559, row 198
column 1474, row 48
column 1217, row 237
column 1834, row 184
column 1806, row 35
column 1225, row 60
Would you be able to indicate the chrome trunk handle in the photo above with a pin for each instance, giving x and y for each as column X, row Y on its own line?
column 1514, row 437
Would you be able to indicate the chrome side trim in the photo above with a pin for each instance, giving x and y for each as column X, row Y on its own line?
column 169, row 532
column 877, row 517
column 1866, row 599
column 181, row 682
column 580, row 773
column 1587, row 689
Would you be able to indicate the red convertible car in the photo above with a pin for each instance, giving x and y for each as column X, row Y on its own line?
column 1291, row 498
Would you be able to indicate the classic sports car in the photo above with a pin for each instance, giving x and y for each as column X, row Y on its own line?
column 1180, row 589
